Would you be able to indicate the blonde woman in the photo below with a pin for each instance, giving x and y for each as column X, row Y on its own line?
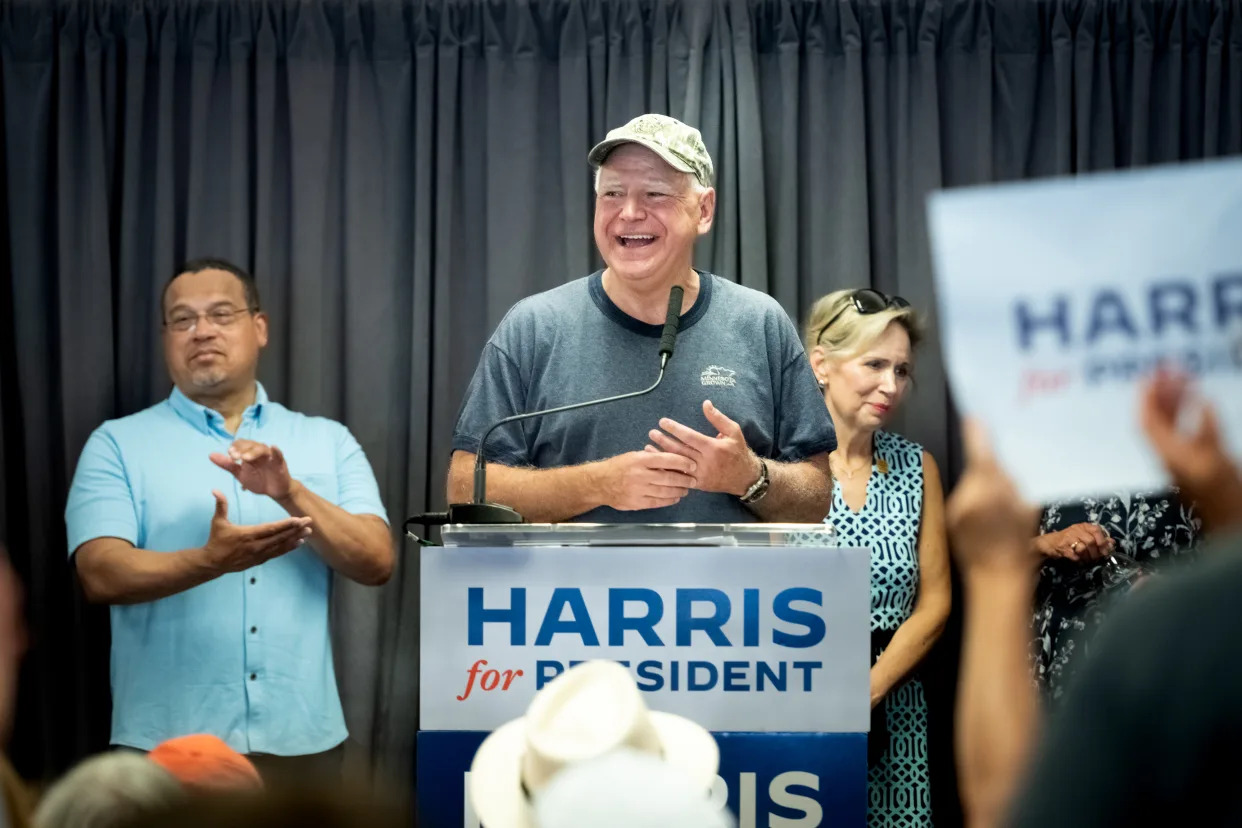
column 886, row 496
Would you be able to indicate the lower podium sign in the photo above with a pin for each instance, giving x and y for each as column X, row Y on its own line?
column 783, row 780
column 760, row 634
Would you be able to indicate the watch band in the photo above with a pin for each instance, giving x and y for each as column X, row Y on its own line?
column 760, row 487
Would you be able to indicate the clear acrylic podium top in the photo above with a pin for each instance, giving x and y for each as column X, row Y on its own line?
column 640, row 534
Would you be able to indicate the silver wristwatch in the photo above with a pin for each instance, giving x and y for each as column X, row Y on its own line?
column 760, row 487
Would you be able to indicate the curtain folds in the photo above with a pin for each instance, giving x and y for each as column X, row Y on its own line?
column 397, row 174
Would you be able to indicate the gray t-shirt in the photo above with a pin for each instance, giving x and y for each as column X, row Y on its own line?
column 736, row 347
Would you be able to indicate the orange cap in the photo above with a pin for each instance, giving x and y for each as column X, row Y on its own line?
column 204, row 762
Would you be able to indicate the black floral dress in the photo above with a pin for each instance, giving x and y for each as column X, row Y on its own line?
column 1072, row 598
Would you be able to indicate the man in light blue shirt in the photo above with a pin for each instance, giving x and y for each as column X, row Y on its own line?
column 215, row 547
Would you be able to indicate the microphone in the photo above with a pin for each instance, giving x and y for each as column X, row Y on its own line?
column 479, row 510
column 672, row 324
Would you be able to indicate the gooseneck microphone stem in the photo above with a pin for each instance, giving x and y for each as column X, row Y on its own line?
column 480, row 465
column 478, row 510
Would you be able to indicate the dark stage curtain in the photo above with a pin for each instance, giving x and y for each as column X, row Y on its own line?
column 397, row 174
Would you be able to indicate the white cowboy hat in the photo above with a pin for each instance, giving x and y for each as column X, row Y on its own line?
column 586, row 712
column 601, row 793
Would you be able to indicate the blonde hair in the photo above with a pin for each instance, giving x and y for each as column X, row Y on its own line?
column 852, row 332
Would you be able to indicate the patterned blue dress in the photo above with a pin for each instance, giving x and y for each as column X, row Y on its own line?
column 898, row 783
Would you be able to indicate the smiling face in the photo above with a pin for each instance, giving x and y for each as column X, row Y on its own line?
column 648, row 216
column 219, row 353
column 865, row 389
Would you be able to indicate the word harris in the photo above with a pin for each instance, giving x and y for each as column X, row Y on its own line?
column 1208, row 310
column 567, row 616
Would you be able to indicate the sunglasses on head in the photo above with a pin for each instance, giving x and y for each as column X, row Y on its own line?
column 866, row 301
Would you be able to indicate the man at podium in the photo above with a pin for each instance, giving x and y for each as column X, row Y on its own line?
column 735, row 432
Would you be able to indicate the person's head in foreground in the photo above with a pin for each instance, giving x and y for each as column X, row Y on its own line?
column 108, row 790
column 204, row 763
column 12, row 642
column 653, row 198
column 861, row 346
column 309, row 806
column 554, row 758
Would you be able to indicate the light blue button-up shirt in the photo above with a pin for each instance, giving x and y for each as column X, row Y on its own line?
column 246, row 656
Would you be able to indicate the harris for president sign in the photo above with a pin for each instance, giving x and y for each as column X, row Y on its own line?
column 1056, row 298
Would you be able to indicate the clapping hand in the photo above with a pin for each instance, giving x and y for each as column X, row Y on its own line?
column 234, row 548
column 258, row 468
column 723, row 463
column 989, row 524
column 644, row 480
column 1195, row 457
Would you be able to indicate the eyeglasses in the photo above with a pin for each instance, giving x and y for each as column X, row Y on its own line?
column 222, row 317
column 866, row 301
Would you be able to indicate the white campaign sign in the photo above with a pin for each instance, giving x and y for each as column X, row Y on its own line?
column 736, row 638
column 1056, row 298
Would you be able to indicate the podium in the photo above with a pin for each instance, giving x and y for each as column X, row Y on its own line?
column 759, row 632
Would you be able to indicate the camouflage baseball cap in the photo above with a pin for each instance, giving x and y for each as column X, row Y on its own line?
column 678, row 144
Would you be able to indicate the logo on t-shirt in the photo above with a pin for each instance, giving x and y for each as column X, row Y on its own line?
column 719, row 377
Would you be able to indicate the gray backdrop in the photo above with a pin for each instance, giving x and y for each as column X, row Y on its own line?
column 397, row 174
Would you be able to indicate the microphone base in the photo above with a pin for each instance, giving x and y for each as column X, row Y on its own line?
column 482, row 513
